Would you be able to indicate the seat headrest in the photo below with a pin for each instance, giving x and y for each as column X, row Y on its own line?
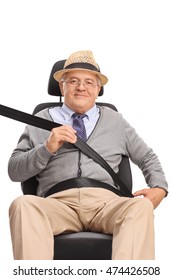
column 53, row 85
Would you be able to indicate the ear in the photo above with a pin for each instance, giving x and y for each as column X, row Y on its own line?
column 98, row 90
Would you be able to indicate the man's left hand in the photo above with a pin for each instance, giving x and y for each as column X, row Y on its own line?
column 155, row 195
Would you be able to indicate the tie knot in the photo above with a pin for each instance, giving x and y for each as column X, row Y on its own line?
column 78, row 116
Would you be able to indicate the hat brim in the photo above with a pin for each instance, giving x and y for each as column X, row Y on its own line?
column 58, row 75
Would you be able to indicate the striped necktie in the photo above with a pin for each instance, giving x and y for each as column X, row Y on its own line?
column 78, row 125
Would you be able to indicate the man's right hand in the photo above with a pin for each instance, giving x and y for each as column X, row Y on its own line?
column 58, row 136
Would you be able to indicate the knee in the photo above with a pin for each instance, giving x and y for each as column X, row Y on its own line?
column 19, row 202
column 143, row 205
column 146, row 203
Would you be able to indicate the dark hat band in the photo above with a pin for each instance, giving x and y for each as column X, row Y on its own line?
column 82, row 65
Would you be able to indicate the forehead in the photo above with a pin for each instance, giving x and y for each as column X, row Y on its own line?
column 81, row 74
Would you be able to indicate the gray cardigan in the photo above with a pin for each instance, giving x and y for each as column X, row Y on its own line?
column 112, row 137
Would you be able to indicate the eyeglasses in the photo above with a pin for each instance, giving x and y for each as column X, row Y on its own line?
column 88, row 83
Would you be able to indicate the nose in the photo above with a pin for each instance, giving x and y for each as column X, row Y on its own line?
column 81, row 85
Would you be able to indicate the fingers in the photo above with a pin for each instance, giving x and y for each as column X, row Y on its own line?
column 59, row 135
column 140, row 192
column 64, row 133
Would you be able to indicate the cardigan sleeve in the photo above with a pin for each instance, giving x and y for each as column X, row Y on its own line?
column 27, row 160
column 144, row 157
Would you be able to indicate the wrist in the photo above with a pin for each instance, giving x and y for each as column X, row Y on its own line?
column 49, row 148
column 165, row 192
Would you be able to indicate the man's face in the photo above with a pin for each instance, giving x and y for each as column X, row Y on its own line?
column 80, row 90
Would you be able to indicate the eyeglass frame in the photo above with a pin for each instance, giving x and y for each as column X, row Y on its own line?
column 78, row 82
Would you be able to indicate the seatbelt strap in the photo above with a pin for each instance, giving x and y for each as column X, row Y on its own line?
column 80, row 144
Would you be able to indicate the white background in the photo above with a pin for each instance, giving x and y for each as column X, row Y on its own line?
column 133, row 43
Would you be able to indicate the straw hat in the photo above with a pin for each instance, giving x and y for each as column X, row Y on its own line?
column 82, row 60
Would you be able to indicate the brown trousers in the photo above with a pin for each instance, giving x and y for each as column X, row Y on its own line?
column 34, row 221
